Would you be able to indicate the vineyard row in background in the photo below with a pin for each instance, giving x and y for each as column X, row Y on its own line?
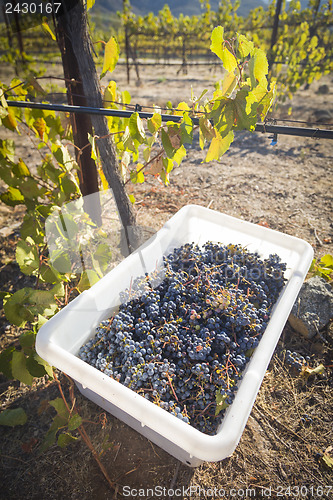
column 299, row 42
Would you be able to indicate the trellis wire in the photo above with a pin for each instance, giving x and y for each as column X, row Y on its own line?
column 260, row 127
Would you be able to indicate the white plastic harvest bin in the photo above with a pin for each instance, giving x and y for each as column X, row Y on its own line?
column 59, row 340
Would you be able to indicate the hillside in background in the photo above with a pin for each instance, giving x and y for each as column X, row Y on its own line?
column 187, row 7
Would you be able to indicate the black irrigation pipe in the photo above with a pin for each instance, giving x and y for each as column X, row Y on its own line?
column 260, row 127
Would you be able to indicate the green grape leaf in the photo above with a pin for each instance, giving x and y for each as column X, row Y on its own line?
column 51, row 435
column 219, row 146
column 63, row 157
column 166, row 142
column 20, row 169
column 245, row 110
column 27, row 340
column 102, row 256
column 6, row 362
column 220, row 47
column 68, row 225
column 31, row 226
column 19, row 368
column 15, row 307
column 111, row 56
column 7, row 149
column 263, row 97
column 49, row 440
column 65, row 439
column 41, row 321
column 60, row 407
column 30, row 189
column 49, row 274
column 227, row 119
column 35, row 369
column 27, row 256
column 186, row 130
column 88, row 278
column 67, row 185
column 61, row 262
column 13, row 417
column 74, row 422
column 48, row 368
column 146, row 154
column 12, row 197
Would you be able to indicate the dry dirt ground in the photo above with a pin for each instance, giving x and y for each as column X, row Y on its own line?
column 287, row 187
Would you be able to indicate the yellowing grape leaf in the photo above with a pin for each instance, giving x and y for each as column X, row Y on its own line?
column 20, row 169
column 111, row 56
column 90, row 3
column 307, row 371
column 3, row 99
column 9, row 120
column 179, row 155
column 40, row 126
column 229, row 83
column 48, row 30
column 219, row 47
column 105, row 183
column 182, row 106
column 219, row 146
column 154, row 123
column 91, row 139
column 245, row 46
column 327, row 260
column 136, row 128
column 258, row 65
column 110, row 93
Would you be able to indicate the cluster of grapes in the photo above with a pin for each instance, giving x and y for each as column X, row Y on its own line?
column 182, row 338
column 296, row 361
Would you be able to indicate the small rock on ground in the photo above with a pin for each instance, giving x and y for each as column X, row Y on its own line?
column 313, row 308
